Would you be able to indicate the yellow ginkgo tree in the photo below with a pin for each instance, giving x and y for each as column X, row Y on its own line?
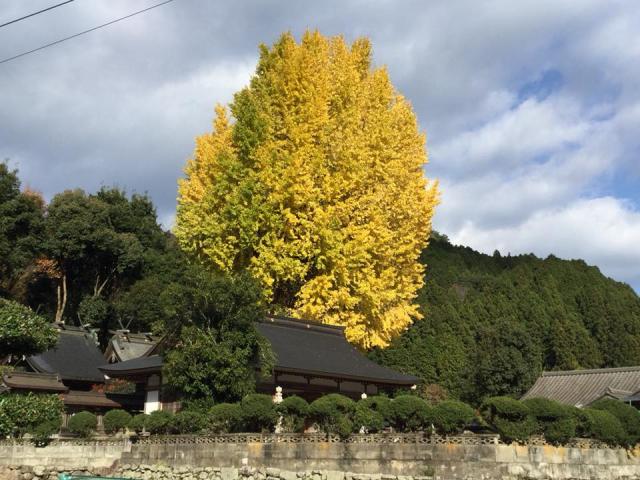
column 315, row 183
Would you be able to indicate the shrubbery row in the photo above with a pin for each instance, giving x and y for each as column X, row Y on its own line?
column 609, row 421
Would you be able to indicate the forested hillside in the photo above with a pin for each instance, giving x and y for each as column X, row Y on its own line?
column 492, row 323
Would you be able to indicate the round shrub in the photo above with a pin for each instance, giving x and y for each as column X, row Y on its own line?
column 509, row 417
column 410, row 413
column 333, row 413
column 602, row 425
column 188, row 421
column 451, row 416
column 159, row 422
column 83, row 423
column 43, row 432
column 382, row 405
column 629, row 417
column 224, row 418
column 138, row 422
column 367, row 418
column 116, row 421
column 258, row 413
column 553, row 420
column 294, row 411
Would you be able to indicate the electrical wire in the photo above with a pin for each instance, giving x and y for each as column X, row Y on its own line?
column 84, row 32
column 36, row 13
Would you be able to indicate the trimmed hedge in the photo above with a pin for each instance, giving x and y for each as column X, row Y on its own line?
column 450, row 416
column 83, row 423
column 602, row 425
column 628, row 416
column 333, row 413
column 553, row 419
column 224, row 418
column 373, row 413
column 159, row 422
column 116, row 421
column 189, row 421
column 409, row 413
column 509, row 417
column 138, row 422
column 294, row 411
column 258, row 412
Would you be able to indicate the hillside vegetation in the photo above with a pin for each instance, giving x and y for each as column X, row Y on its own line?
column 493, row 323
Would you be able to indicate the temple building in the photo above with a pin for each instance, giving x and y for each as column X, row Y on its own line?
column 581, row 388
column 125, row 345
column 311, row 359
column 70, row 369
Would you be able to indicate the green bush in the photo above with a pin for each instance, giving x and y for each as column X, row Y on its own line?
column 83, row 423
column 509, row 417
column 224, row 418
column 553, row 420
column 451, row 416
column 382, row 405
column 602, row 425
column 23, row 413
column 294, row 411
column 367, row 418
column 43, row 432
column 189, row 421
column 138, row 422
column 333, row 413
column 116, row 420
column 159, row 422
column 410, row 413
column 629, row 417
column 258, row 413
column 202, row 405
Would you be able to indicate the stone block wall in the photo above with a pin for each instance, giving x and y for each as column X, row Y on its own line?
column 202, row 458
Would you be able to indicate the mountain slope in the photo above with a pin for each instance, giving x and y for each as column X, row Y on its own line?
column 493, row 323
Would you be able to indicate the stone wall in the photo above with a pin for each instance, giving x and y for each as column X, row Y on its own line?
column 200, row 458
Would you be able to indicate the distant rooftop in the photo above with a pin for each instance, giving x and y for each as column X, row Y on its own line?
column 127, row 346
column 583, row 387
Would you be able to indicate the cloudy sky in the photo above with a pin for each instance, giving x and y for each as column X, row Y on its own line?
column 531, row 108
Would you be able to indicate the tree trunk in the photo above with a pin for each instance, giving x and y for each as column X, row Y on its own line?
column 62, row 298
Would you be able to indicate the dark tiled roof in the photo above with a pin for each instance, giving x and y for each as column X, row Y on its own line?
column 301, row 347
column 49, row 382
column 75, row 357
column 313, row 348
column 137, row 365
column 583, row 387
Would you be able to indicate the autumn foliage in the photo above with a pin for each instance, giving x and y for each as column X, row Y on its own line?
column 316, row 186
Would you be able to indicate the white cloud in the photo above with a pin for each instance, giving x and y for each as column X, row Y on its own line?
column 603, row 231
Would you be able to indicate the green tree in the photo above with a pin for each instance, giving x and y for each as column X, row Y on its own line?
column 216, row 350
column 22, row 332
column 21, row 230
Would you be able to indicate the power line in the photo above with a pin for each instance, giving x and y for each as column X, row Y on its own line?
column 36, row 13
column 84, row 32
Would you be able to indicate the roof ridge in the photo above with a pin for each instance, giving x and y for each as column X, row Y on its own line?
column 314, row 325
column 592, row 371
